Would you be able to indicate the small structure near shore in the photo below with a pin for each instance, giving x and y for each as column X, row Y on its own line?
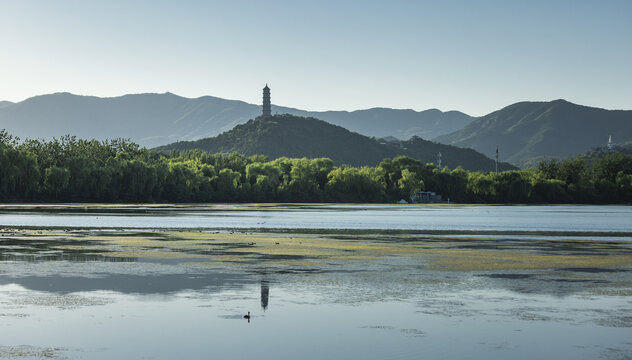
column 425, row 197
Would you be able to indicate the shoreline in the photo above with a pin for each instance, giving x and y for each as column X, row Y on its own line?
column 248, row 205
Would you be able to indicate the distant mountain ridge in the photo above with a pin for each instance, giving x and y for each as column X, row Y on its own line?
column 399, row 123
column 528, row 130
column 157, row 119
column 524, row 132
column 149, row 119
column 294, row 136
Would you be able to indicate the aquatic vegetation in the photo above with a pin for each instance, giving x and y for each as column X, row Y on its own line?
column 621, row 322
column 26, row 351
column 625, row 290
column 69, row 301
column 487, row 260
column 472, row 253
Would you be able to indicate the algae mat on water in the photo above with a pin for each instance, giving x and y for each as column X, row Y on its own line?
column 299, row 249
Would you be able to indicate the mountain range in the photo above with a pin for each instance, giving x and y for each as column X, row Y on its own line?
column 157, row 119
column 5, row 103
column 297, row 137
column 531, row 130
column 524, row 132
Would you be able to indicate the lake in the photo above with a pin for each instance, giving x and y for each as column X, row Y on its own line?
column 320, row 281
column 382, row 217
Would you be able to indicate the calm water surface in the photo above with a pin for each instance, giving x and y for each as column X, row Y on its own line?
column 299, row 324
column 384, row 217
column 66, row 298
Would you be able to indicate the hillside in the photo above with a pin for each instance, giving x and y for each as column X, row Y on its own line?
column 599, row 153
column 528, row 130
column 293, row 136
column 158, row 119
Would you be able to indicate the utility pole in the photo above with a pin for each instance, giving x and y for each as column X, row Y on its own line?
column 496, row 159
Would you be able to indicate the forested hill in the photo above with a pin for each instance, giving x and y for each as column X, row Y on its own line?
column 158, row 119
column 528, row 130
column 296, row 137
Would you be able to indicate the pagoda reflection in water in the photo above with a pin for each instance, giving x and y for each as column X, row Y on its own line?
column 265, row 293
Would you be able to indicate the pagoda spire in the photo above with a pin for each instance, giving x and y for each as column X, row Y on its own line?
column 267, row 108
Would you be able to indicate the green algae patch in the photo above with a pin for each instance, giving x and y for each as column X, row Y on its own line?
column 278, row 249
column 481, row 260
column 296, row 250
column 30, row 352
column 149, row 254
column 627, row 292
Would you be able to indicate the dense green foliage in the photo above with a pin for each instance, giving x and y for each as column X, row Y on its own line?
column 297, row 137
column 71, row 170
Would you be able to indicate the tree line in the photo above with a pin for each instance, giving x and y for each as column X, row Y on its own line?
column 75, row 170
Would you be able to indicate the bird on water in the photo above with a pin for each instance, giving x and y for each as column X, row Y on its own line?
column 247, row 316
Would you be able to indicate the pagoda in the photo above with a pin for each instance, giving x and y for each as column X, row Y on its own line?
column 267, row 108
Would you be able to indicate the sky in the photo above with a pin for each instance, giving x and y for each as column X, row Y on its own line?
column 471, row 56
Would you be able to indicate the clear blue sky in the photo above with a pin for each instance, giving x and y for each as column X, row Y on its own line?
column 472, row 56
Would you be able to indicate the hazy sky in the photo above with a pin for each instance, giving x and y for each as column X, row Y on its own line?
column 473, row 56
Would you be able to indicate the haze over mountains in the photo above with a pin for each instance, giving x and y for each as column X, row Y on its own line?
column 158, row 119
column 383, row 122
column 524, row 132
column 530, row 130
column 297, row 137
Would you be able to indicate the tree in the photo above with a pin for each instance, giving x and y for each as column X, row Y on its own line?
column 56, row 181
column 354, row 185
column 482, row 186
column 227, row 184
column 409, row 183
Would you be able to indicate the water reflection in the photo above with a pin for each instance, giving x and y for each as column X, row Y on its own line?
column 73, row 264
column 489, row 324
column 265, row 293
column 365, row 295
column 132, row 284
